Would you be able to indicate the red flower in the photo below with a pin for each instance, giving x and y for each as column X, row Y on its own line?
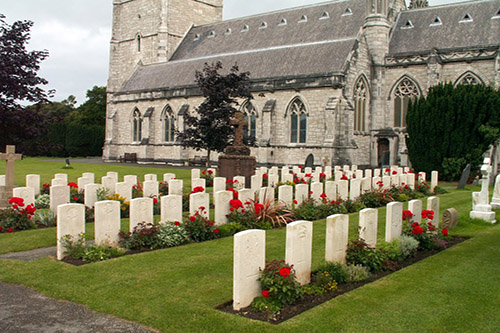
column 300, row 166
column 295, row 202
column 264, row 175
column 1, row 228
column 394, row 172
column 211, row 223
column 14, row 206
column 415, row 224
column 17, row 201
column 407, row 214
column 73, row 185
column 46, row 185
column 235, row 203
column 198, row 189
column 431, row 227
column 155, row 201
column 344, row 177
column 177, row 223
column 216, row 231
column 75, row 198
column 192, row 218
column 258, row 207
column 285, row 271
column 265, row 293
column 445, row 232
column 417, row 230
column 323, row 195
column 387, row 170
column 311, row 192
column 204, row 172
column 210, row 172
column 10, row 230
column 202, row 208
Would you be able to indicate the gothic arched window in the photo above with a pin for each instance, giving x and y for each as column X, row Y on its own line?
column 137, row 126
column 469, row 78
column 403, row 93
column 298, row 121
column 168, row 124
column 250, row 115
column 360, row 102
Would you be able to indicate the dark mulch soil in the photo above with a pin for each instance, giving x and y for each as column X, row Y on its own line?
column 309, row 301
column 80, row 262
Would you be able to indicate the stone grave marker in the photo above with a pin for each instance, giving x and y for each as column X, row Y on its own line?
column 366, row 185
column 331, row 190
column 287, row 178
column 124, row 190
column 308, row 170
column 256, row 182
column 434, row 180
column 410, row 178
column 81, row 182
column 195, row 174
column 368, row 173
column 422, row 177
column 246, row 195
column 90, row 194
column 248, row 259
column 337, row 238
column 58, row 182
column 59, row 195
column 113, row 175
column 433, row 204
column 198, row 200
column 338, row 175
column 89, row 175
column 317, row 191
column 150, row 188
column 375, row 183
column 266, row 194
column 175, row 187
column 199, row 182
column 328, row 172
column 299, row 249
column 167, row 177
column 25, row 193
column 171, row 208
column 415, row 206
column 386, row 180
column 150, row 177
column 368, row 223
column 70, row 221
column 222, row 206
column 63, row 176
column 130, row 179
column 239, row 182
column 285, row 195
column 109, row 184
column 495, row 201
column 219, row 184
column 141, row 210
column 301, row 193
column 355, row 190
column 376, row 173
column 359, row 174
column 343, row 189
column 107, row 222
column 464, row 177
column 273, row 180
column 450, row 218
column 393, row 221
column 33, row 181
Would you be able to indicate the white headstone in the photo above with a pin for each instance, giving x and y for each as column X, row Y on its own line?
column 273, row 180
column 167, row 177
column 355, row 189
column 337, row 238
column 376, row 183
column 63, row 176
column 150, row 188
column 299, row 249
column 368, row 173
column 328, row 172
column 239, row 182
column 107, row 222
column 58, row 182
column 403, row 180
column 150, row 177
column 434, row 180
column 90, row 196
column 171, row 208
column 89, row 175
column 33, row 181
column 256, row 182
column 109, row 183
column 331, row 190
column 273, row 171
column 175, row 187
column 113, row 175
column 422, row 177
column 219, row 184
column 287, row 178
column 59, row 195
column 199, row 182
column 495, row 201
column 359, row 174
column 222, row 206
column 475, row 199
column 246, row 195
column 308, row 170
column 197, row 201
column 124, row 190
column 354, row 168
column 410, row 178
column 393, row 221
column 317, row 191
column 2, row 180
column 25, row 193
column 70, row 221
column 338, row 175
column 141, row 210
column 433, row 204
column 130, row 179
column 368, row 221
column 82, row 182
column 301, row 193
column 386, row 182
column 376, row 173
column 285, row 194
column 195, row 174
column 343, row 189
column 394, row 180
column 266, row 194
column 366, row 185
column 415, row 207
column 249, row 259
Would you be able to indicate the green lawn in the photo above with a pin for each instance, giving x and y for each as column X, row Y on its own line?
column 178, row 289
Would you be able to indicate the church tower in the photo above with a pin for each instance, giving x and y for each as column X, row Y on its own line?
column 148, row 32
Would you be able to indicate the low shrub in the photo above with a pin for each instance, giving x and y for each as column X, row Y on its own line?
column 42, row 201
column 172, row 234
column 144, row 236
column 357, row 273
column 45, row 218
column 77, row 249
column 325, row 281
column 278, row 281
column 17, row 217
column 229, row 229
column 408, row 246
column 337, row 271
column 359, row 253
column 200, row 228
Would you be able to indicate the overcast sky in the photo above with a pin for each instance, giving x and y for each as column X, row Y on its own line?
column 77, row 33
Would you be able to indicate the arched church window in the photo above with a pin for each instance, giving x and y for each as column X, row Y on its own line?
column 250, row 115
column 137, row 126
column 168, row 125
column 403, row 93
column 298, row 121
column 469, row 78
column 360, row 101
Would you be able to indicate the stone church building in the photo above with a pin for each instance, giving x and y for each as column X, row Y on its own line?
column 331, row 81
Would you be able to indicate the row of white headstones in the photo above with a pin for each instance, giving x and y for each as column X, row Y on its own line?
column 250, row 246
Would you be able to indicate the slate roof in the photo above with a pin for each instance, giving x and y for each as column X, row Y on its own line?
column 319, row 46
column 482, row 31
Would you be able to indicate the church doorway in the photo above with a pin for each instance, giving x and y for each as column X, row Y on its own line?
column 384, row 154
column 309, row 161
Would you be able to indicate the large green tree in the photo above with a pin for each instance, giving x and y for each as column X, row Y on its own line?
column 209, row 127
column 451, row 127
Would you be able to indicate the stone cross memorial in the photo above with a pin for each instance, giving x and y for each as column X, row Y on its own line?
column 483, row 209
column 9, row 157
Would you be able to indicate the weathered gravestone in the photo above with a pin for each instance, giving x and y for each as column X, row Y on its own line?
column 495, row 201
column 248, row 260
column 171, row 208
column 25, row 193
column 299, row 249
column 59, row 195
column 141, row 210
column 70, row 221
column 285, row 195
column 337, row 237
column 394, row 221
column 33, row 181
column 464, row 177
column 10, row 157
column 222, row 206
column 450, row 218
column 107, row 222
column 368, row 222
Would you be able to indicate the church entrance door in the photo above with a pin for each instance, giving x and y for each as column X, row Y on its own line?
column 384, row 154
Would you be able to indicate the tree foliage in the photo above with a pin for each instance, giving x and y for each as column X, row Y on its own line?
column 451, row 127
column 209, row 127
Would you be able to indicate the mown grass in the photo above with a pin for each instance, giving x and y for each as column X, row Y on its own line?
column 178, row 289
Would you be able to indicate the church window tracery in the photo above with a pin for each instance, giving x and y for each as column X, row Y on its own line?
column 360, row 104
column 168, row 124
column 137, row 126
column 298, row 121
column 403, row 93
column 250, row 115
column 468, row 78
